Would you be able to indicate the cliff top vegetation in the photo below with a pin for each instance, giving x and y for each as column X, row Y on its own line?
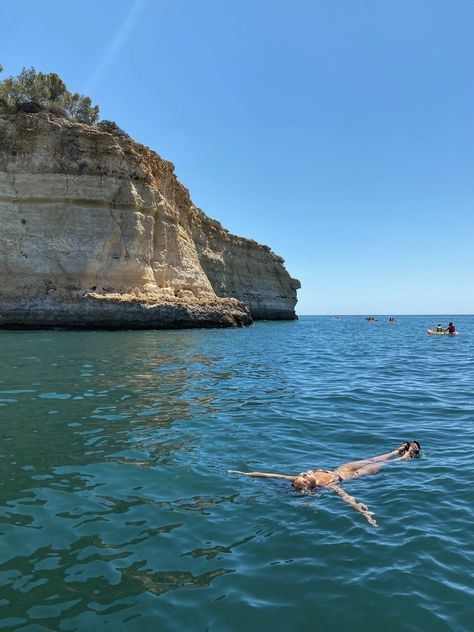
column 32, row 91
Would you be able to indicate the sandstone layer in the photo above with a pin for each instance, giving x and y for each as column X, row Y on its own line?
column 97, row 231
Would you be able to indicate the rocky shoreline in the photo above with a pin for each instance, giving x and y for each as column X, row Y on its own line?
column 93, row 313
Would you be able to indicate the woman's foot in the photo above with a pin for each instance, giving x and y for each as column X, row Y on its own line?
column 403, row 448
column 414, row 450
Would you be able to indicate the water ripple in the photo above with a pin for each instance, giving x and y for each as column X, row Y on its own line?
column 116, row 510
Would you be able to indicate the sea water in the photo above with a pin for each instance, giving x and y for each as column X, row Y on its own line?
column 117, row 511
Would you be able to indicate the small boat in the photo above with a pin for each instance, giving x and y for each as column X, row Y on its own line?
column 432, row 332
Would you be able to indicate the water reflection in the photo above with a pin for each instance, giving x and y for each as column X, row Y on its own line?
column 114, row 498
column 109, row 392
column 158, row 583
column 102, row 410
column 211, row 552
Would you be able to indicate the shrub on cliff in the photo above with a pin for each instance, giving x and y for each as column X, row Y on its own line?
column 33, row 91
column 112, row 128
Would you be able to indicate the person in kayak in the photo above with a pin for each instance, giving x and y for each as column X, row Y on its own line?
column 451, row 329
column 330, row 479
column 439, row 328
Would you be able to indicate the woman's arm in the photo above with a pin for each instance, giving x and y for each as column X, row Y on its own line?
column 350, row 500
column 263, row 475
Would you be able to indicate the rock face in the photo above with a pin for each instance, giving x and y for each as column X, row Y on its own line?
column 96, row 231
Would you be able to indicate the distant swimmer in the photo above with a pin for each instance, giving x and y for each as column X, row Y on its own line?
column 330, row 479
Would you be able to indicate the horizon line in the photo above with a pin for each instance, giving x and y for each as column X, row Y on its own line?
column 388, row 314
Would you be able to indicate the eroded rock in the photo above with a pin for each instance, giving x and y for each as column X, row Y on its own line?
column 96, row 231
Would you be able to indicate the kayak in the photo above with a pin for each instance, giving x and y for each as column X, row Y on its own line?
column 441, row 333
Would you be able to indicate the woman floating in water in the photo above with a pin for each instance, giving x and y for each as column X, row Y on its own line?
column 329, row 479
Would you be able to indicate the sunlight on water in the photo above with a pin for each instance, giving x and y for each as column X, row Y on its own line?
column 117, row 513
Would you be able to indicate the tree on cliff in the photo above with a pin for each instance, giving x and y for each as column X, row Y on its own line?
column 33, row 91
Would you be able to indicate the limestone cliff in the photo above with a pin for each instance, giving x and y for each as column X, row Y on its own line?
column 97, row 231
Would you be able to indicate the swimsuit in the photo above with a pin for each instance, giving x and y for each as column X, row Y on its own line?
column 336, row 477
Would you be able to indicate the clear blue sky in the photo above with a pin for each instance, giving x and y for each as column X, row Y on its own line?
column 338, row 132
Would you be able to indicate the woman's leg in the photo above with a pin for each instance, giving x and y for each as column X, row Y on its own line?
column 374, row 466
column 367, row 469
column 355, row 465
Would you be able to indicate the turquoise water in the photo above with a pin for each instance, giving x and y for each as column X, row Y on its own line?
column 116, row 511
